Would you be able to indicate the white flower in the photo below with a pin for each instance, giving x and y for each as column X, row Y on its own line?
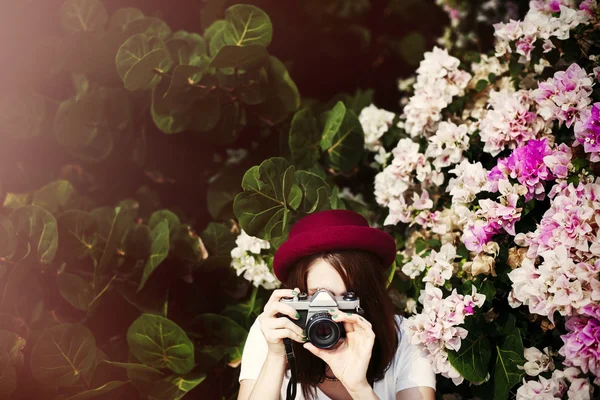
column 414, row 267
column 537, row 362
column 246, row 259
column 375, row 122
column 252, row 244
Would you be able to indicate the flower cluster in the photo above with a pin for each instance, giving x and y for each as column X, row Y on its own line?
column 564, row 96
column 558, row 284
column 441, row 265
column 526, row 165
column 511, row 122
column 560, row 383
column 583, row 340
column 438, row 80
column 587, row 131
column 375, row 122
column 247, row 260
column 539, row 23
column 446, row 147
column 436, row 329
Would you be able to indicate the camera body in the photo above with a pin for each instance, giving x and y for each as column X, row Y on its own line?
column 321, row 330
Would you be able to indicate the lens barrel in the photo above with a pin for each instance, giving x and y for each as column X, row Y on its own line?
column 322, row 331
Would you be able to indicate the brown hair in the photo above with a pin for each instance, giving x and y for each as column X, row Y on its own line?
column 363, row 274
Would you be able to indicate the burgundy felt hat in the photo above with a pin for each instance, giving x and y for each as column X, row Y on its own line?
column 332, row 230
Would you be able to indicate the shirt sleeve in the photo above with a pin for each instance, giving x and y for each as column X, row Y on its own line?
column 254, row 354
column 413, row 369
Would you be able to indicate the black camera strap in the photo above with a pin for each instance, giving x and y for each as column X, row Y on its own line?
column 289, row 352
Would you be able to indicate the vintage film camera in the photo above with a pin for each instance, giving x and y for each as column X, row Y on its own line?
column 321, row 330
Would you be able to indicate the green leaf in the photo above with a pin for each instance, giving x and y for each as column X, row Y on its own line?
column 267, row 191
column 336, row 201
column 251, row 56
column 8, row 376
column 16, row 200
column 140, row 60
column 76, row 230
column 489, row 290
column 62, row 354
column 150, row 26
column 184, row 52
column 316, row 192
column 218, row 239
column 196, row 42
column 12, row 345
column 75, row 290
column 159, row 342
column 175, row 387
column 472, row 359
column 221, row 328
column 481, row 85
column 509, row 358
column 165, row 215
column 159, row 250
column 137, row 242
column 140, row 368
column 53, row 196
column 38, row 227
column 99, row 391
column 118, row 227
column 22, row 114
column 83, row 15
column 304, row 138
column 123, row 16
column 167, row 116
column 342, row 138
column 8, row 238
column 78, row 122
column 284, row 87
column 247, row 25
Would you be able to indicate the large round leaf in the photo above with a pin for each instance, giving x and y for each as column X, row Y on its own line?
column 172, row 219
column 269, row 192
column 304, row 138
column 342, row 138
column 150, row 26
column 183, row 52
column 159, row 250
column 83, row 15
column 206, row 113
column 62, row 354
column 75, row 290
column 139, row 59
column 195, row 40
column 123, row 16
column 137, row 242
column 159, row 342
column 250, row 56
column 227, row 130
column 316, row 192
column 38, row 227
column 53, row 196
column 77, row 123
column 167, row 116
column 247, row 25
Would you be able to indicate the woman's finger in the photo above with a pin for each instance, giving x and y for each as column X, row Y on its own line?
column 278, row 294
column 274, row 308
column 321, row 353
column 282, row 322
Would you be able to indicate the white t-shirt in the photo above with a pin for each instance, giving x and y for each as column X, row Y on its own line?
column 409, row 367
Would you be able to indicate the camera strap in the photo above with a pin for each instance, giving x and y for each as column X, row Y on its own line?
column 289, row 352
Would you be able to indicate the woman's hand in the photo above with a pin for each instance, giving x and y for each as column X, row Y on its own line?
column 349, row 360
column 275, row 329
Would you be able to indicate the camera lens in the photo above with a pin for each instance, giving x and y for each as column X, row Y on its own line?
column 322, row 331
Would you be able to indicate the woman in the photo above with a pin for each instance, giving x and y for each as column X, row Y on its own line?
column 338, row 251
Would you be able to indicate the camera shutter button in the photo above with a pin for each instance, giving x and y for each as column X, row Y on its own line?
column 302, row 296
column 350, row 296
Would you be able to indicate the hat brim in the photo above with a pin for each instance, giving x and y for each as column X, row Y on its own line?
column 345, row 237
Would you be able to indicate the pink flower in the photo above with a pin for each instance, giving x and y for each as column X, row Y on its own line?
column 565, row 95
column 587, row 131
column 581, row 348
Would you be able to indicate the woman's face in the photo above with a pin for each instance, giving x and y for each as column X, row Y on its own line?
column 321, row 275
